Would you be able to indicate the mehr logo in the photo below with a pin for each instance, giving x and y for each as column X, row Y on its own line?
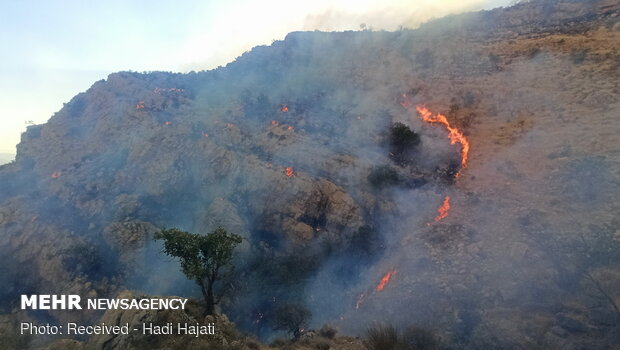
column 51, row 302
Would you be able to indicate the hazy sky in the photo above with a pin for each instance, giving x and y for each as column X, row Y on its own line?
column 52, row 50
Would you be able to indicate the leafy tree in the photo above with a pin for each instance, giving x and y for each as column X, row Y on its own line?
column 205, row 259
column 292, row 318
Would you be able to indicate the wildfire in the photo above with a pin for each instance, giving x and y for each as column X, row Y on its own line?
column 274, row 123
column 55, row 174
column 205, row 134
column 230, row 126
column 289, row 171
column 140, row 105
column 290, row 128
column 168, row 123
column 443, row 210
column 385, row 280
column 284, row 109
column 454, row 134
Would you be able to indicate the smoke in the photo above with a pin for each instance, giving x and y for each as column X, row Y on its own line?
column 246, row 25
column 213, row 148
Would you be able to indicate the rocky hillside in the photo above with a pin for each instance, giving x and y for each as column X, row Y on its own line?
column 292, row 146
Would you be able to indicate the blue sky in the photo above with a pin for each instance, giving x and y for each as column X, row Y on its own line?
column 52, row 50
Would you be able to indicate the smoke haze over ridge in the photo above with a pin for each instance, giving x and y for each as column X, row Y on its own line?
column 58, row 51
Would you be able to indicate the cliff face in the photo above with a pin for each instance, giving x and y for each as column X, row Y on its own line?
column 278, row 146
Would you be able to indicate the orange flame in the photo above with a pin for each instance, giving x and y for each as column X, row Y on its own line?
column 205, row 134
column 168, row 123
column 290, row 128
column 140, row 105
column 55, row 174
column 274, row 123
column 454, row 134
column 443, row 210
column 284, row 109
column 385, row 280
column 289, row 171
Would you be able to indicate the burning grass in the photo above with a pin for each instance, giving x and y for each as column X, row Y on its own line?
column 385, row 280
column 454, row 134
column 443, row 209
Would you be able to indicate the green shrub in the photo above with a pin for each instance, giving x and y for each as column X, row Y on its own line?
column 327, row 331
column 252, row 345
column 386, row 337
column 322, row 344
column 383, row 337
column 402, row 142
column 402, row 137
column 292, row 318
column 383, row 176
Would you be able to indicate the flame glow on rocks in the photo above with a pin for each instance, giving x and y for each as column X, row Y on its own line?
column 454, row 134
column 385, row 280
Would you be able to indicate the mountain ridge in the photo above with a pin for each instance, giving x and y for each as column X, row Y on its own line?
column 533, row 87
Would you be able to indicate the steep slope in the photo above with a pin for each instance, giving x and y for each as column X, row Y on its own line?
column 278, row 146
